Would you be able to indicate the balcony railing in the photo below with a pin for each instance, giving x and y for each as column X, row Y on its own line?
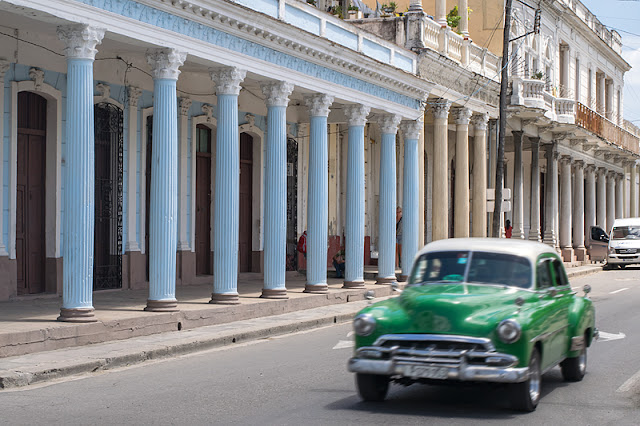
column 595, row 123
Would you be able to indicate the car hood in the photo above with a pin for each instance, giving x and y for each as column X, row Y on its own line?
column 470, row 309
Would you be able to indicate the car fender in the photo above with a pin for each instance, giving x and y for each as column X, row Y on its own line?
column 581, row 319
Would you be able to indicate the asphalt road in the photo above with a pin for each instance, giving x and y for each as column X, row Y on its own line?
column 301, row 379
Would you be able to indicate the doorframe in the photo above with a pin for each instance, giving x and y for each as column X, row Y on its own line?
column 211, row 123
column 257, row 184
column 146, row 112
column 53, row 163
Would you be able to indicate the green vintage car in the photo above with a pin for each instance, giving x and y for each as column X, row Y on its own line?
column 476, row 310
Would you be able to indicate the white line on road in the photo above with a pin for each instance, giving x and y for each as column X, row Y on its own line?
column 630, row 384
column 619, row 290
column 343, row 344
column 605, row 337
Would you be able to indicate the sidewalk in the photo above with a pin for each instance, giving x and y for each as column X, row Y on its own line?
column 34, row 347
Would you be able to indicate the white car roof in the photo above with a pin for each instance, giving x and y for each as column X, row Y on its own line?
column 629, row 221
column 529, row 249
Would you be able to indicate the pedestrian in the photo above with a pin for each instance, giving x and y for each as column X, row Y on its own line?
column 399, row 237
column 338, row 263
column 508, row 229
column 302, row 248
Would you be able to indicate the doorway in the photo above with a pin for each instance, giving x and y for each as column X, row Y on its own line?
column 30, row 196
column 292, row 204
column 246, row 204
column 203, row 200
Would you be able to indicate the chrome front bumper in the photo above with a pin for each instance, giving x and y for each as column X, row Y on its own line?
column 623, row 259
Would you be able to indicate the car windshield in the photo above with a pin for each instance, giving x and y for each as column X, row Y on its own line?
column 626, row 233
column 472, row 267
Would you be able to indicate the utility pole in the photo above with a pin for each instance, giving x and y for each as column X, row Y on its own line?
column 497, row 211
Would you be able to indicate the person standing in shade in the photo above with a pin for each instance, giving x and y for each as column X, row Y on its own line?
column 398, row 236
column 508, row 229
column 338, row 263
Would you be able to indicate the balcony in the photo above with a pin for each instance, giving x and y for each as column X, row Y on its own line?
column 590, row 120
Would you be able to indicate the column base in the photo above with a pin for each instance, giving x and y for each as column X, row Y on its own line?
column 567, row 254
column 316, row 288
column 534, row 236
column 386, row 280
column 268, row 293
column 353, row 284
column 225, row 299
column 162, row 305
column 403, row 278
column 581, row 254
column 77, row 315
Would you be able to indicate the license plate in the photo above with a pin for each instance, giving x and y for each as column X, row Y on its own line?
column 426, row 372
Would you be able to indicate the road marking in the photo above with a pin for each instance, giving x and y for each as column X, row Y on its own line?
column 619, row 290
column 343, row 344
column 605, row 337
column 630, row 384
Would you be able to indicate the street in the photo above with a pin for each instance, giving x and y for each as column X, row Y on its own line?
column 301, row 379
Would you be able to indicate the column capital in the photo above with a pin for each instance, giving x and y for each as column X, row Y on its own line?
column 165, row 63
column 227, row 80
column 80, row 40
column 356, row 114
column 133, row 94
column 611, row 174
column 4, row 67
column 185, row 104
column 389, row 123
column 565, row 159
column 517, row 134
column 578, row 164
column 318, row 104
column 277, row 93
column 461, row 115
column 601, row 171
column 480, row 121
column 411, row 128
column 590, row 168
column 441, row 108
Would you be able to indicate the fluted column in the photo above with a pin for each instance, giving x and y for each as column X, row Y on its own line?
column 4, row 67
column 578, row 211
column 566, row 202
column 633, row 186
column 317, row 213
column 590, row 198
column 410, row 202
column 163, row 206
column 479, row 196
column 79, row 204
column 275, row 186
column 441, row 12
column 601, row 199
column 534, row 213
column 551, row 198
column 611, row 199
column 619, row 196
column 227, row 186
column 183, row 141
column 387, row 206
column 354, row 239
column 461, row 216
column 518, row 187
column 440, row 196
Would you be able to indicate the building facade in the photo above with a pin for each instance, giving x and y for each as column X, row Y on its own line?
column 155, row 143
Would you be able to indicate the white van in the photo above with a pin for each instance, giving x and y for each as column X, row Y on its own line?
column 624, row 243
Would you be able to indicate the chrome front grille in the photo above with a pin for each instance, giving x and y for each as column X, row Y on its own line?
column 626, row 251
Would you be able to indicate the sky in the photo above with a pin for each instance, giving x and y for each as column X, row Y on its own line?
column 624, row 17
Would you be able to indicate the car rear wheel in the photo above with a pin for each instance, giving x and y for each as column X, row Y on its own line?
column 573, row 369
column 372, row 387
column 526, row 395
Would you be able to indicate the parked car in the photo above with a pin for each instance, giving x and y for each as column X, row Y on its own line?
column 476, row 310
column 624, row 243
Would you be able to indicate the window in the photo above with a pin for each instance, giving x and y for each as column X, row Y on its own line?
column 544, row 274
column 625, row 233
column 203, row 139
column 561, row 276
column 440, row 266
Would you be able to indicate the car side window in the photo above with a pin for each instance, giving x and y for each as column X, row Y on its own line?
column 543, row 273
column 561, row 276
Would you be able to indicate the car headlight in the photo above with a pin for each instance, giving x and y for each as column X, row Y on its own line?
column 509, row 331
column 364, row 324
column 612, row 250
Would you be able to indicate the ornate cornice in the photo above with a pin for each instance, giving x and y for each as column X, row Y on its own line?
column 389, row 123
column 480, row 121
column 461, row 115
column 356, row 114
column 441, row 109
column 411, row 129
column 227, row 80
column 165, row 63
column 277, row 93
column 37, row 75
column 185, row 104
column 318, row 104
column 133, row 94
column 80, row 40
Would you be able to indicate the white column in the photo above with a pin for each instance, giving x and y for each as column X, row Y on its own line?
column 518, row 187
column 625, row 190
column 551, row 198
column 415, row 6
column 601, row 199
column 441, row 12
column 183, row 152
column 619, row 196
column 565, row 209
column 479, row 196
column 440, row 203
column 133, row 94
column 4, row 67
column 534, row 215
column 410, row 216
column 590, row 198
column 633, row 186
column 463, row 11
column 578, row 211
column 611, row 199
column 461, row 217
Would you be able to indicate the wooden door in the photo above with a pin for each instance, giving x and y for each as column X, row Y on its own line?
column 30, row 196
column 246, row 195
column 203, row 201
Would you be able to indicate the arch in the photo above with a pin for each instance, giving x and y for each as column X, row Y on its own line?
column 53, row 161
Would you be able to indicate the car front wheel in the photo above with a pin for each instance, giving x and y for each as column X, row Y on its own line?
column 526, row 395
column 372, row 387
column 573, row 369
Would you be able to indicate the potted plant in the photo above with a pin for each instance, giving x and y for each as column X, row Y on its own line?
column 352, row 11
column 453, row 17
column 538, row 75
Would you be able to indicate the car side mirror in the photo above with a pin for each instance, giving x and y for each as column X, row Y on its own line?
column 586, row 289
